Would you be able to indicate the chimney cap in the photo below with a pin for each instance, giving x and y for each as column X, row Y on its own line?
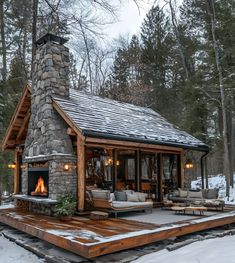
column 48, row 37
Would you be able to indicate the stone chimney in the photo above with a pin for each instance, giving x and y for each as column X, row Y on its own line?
column 47, row 131
column 47, row 142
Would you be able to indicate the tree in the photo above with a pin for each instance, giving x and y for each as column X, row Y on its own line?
column 3, row 41
column 222, row 94
column 159, row 64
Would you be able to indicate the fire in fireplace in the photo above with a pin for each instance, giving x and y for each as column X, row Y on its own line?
column 40, row 189
column 38, row 179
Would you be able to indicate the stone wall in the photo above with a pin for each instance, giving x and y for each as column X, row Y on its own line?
column 47, row 132
column 62, row 182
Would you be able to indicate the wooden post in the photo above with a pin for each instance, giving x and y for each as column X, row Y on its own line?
column 16, row 172
column 80, row 174
column 182, row 170
column 137, row 171
column 160, row 176
column 114, row 172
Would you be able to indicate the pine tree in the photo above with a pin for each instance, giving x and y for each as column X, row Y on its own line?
column 159, row 63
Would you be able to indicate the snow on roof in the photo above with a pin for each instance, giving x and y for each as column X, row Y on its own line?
column 105, row 117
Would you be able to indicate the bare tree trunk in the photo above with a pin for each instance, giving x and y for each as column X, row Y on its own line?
column 181, row 49
column 88, row 56
column 34, row 31
column 222, row 97
column 232, row 142
column 3, row 40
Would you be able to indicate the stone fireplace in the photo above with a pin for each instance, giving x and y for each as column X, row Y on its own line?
column 48, row 146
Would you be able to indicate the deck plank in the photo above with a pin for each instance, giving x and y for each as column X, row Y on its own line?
column 90, row 238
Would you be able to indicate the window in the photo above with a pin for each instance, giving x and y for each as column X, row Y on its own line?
column 170, row 172
column 131, row 169
column 148, row 166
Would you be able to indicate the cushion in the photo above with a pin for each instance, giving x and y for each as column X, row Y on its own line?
column 101, row 194
column 212, row 202
column 132, row 198
column 183, row 193
column 195, row 194
column 128, row 191
column 141, row 196
column 175, row 193
column 212, row 193
column 204, row 193
column 126, row 205
column 112, row 197
column 120, row 196
column 197, row 202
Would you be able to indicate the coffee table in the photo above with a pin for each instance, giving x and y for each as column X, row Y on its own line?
column 193, row 209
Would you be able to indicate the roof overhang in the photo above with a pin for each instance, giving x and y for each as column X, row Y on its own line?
column 93, row 134
column 17, row 129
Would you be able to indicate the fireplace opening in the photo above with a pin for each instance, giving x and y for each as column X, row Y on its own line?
column 38, row 182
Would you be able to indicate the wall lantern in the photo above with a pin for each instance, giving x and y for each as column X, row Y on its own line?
column 11, row 165
column 117, row 162
column 110, row 161
column 189, row 164
column 66, row 167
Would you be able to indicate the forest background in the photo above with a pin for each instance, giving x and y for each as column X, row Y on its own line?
column 181, row 64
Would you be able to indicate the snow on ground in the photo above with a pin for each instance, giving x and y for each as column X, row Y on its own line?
column 217, row 181
column 217, row 250
column 6, row 206
column 12, row 253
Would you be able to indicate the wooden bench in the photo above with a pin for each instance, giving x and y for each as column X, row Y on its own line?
column 193, row 209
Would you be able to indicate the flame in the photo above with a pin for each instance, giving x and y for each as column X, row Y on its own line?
column 40, row 186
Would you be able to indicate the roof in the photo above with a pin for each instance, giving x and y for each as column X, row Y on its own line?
column 105, row 118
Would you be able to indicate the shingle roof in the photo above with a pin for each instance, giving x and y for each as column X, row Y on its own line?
column 102, row 117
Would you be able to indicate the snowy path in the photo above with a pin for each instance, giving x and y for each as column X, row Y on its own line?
column 12, row 253
column 219, row 250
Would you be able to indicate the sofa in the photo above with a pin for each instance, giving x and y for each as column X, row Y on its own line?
column 205, row 197
column 119, row 201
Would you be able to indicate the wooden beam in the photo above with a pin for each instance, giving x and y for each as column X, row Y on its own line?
column 114, row 169
column 68, row 120
column 80, row 174
column 24, row 97
column 182, row 170
column 160, row 177
column 71, row 132
column 16, row 172
column 137, row 170
column 125, row 144
column 12, row 143
column 23, row 127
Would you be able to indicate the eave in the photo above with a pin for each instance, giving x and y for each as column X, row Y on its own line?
column 144, row 142
column 17, row 129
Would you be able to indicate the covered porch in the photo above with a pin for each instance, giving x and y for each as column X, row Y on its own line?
column 155, row 171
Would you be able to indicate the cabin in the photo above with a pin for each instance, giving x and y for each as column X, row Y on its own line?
column 67, row 141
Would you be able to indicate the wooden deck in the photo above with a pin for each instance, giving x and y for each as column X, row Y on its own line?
column 90, row 238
